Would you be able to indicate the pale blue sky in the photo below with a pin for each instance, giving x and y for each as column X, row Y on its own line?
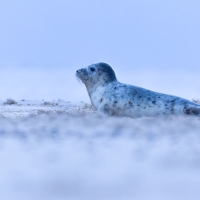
column 144, row 35
column 68, row 33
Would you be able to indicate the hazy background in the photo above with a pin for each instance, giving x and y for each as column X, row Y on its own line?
column 87, row 157
column 150, row 43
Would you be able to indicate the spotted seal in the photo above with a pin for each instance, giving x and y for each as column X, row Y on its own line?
column 114, row 98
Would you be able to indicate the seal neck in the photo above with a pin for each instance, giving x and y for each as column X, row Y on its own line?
column 99, row 86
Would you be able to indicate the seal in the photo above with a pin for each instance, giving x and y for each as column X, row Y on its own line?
column 111, row 97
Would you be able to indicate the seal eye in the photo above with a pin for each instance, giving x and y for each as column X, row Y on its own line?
column 92, row 69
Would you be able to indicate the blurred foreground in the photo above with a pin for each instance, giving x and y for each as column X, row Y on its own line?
column 59, row 151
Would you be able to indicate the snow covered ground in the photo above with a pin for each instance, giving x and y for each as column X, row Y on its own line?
column 60, row 150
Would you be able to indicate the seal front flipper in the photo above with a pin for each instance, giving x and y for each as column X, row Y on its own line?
column 106, row 110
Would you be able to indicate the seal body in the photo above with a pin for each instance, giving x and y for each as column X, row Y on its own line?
column 114, row 98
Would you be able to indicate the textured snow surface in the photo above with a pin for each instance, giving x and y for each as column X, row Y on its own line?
column 59, row 150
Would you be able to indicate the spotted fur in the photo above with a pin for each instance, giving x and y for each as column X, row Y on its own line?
column 114, row 98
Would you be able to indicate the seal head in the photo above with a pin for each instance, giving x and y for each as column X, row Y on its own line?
column 95, row 74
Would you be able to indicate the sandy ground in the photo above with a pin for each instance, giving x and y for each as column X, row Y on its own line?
column 23, row 108
column 61, row 150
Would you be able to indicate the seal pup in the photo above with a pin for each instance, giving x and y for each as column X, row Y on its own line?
column 111, row 97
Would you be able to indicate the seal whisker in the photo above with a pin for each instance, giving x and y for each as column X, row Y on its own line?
column 78, row 79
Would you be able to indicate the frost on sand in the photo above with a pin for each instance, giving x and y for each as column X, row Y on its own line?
column 70, row 152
